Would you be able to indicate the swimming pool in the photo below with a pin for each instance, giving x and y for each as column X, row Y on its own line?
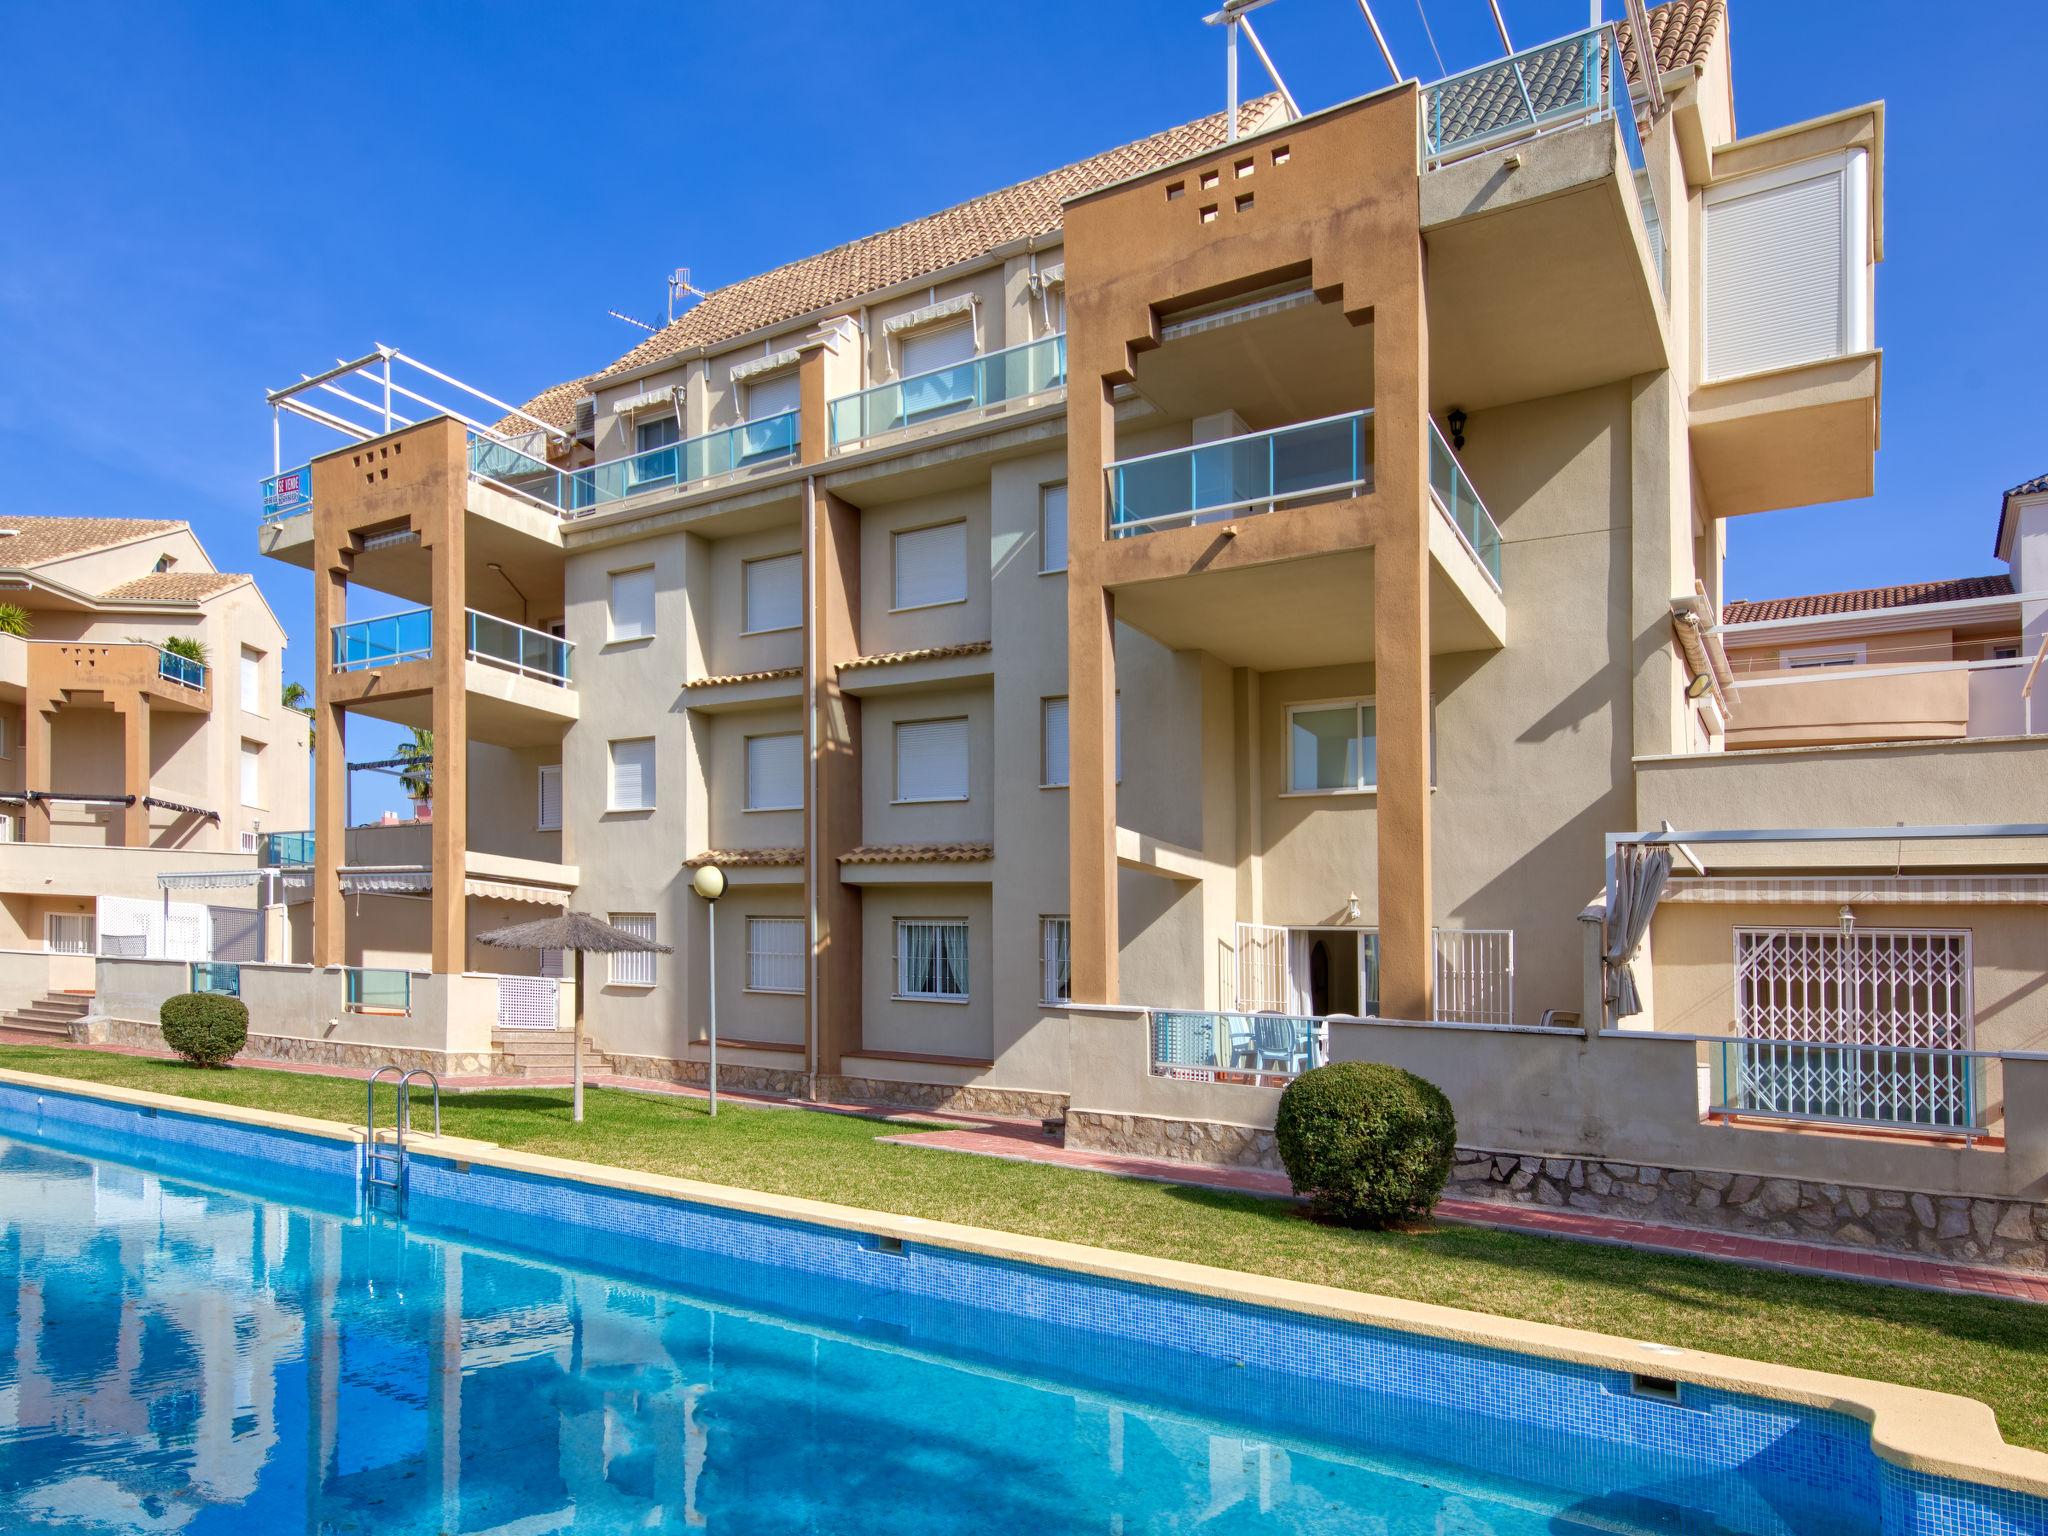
column 525, row 1355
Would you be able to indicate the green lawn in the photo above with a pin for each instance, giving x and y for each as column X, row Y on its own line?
column 1994, row 1350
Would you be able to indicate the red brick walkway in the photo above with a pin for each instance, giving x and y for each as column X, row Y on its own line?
column 1029, row 1144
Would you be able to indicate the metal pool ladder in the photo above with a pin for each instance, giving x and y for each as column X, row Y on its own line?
column 384, row 1163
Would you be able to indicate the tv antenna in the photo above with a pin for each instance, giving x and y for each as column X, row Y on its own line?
column 678, row 285
column 1232, row 18
column 630, row 320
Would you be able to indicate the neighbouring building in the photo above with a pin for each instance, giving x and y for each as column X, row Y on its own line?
column 142, row 735
column 1228, row 603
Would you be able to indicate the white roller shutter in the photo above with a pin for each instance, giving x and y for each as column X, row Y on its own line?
column 931, row 760
column 252, row 775
column 1777, row 251
column 550, row 810
column 633, row 774
column 773, row 593
column 1052, row 768
column 632, row 604
column 775, row 772
column 939, row 347
column 774, row 395
column 931, row 565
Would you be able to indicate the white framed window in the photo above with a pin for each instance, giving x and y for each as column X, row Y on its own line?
column 771, row 594
column 6, row 738
column 553, row 962
column 632, row 970
column 68, row 933
column 252, row 682
column 930, row 565
column 776, row 395
column 7, row 834
column 1055, row 946
column 548, row 811
column 252, row 842
column 931, row 760
column 252, row 775
column 934, row 377
column 632, row 778
column 1785, row 266
column 1052, row 528
column 1333, row 745
column 656, row 433
column 1810, row 657
column 630, row 604
column 775, row 954
column 931, row 959
column 1053, row 720
column 775, row 772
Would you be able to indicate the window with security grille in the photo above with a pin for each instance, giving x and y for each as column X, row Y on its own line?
column 775, row 954
column 931, row 960
column 1055, row 943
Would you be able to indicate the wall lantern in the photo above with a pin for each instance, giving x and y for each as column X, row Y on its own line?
column 1456, row 419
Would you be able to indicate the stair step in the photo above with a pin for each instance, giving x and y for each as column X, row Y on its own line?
column 35, row 1027
column 59, row 1002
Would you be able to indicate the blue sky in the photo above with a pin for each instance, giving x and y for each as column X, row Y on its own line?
column 198, row 202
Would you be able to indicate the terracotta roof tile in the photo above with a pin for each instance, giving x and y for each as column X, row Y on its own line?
column 745, row 858
column 928, row 653
column 773, row 674
column 36, row 540
column 2032, row 487
column 1681, row 31
column 919, row 853
column 1821, row 604
column 556, row 405
column 176, row 586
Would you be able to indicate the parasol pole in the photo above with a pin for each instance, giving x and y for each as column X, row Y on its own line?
column 576, row 1111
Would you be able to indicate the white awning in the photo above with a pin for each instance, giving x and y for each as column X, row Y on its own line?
column 1834, row 890
column 514, row 890
column 209, row 879
column 385, row 882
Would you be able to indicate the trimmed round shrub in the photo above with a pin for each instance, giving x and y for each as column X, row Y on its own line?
column 205, row 1028
column 1365, row 1143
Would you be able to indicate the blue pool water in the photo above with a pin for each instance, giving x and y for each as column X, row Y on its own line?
column 178, row 1357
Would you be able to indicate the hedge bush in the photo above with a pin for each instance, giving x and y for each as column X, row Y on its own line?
column 205, row 1028
column 1365, row 1143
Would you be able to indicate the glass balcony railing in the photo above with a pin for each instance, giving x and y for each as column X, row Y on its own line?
column 182, row 670
column 1015, row 373
column 288, row 493
column 1903, row 1087
column 529, row 652
column 750, row 445
column 1457, row 500
column 385, row 641
column 372, row 989
column 1234, row 476
column 221, row 979
column 286, row 850
column 1244, row 1045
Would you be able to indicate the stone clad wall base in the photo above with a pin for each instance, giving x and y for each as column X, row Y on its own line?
column 102, row 1030
column 1194, row 1141
column 966, row 1099
column 739, row 1079
column 1953, row 1227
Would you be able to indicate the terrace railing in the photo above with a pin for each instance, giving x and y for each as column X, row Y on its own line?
column 1452, row 491
column 1248, row 1047
column 1888, row 1086
column 529, row 652
column 372, row 989
column 383, row 642
column 1235, row 476
column 288, row 493
column 1015, row 373
column 286, row 850
column 182, row 670
column 749, row 445
column 217, row 977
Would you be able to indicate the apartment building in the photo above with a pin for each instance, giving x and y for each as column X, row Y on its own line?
column 1222, row 605
column 142, row 730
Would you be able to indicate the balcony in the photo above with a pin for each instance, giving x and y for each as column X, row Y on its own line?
column 286, row 850
column 288, row 493
column 1838, row 701
column 182, row 671
column 1255, row 473
column 396, row 638
column 1451, row 490
column 750, row 445
column 979, row 384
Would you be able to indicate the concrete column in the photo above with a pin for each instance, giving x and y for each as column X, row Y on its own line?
column 812, row 435
column 35, row 770
column 1660, row 550
column 330, row 766
column 1093, row 934
column 833, row 744
column 134, row 712
column 449, row 930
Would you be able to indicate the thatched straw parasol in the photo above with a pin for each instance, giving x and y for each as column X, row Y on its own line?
column 577, row 932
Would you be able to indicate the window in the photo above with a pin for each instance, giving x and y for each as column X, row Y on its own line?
column 164, row 563
column 252, row 842
column 1998, row 653
column 931, row 760
column 931, row 565
column 633, row 775
column 633, row 970
column 252, row 774
column 252, row 682
column 656, row 432
column 775, row 772
column 7, row 827
column 1052, row 528
column 931, row 960
column 631, row 604
column 934, row 381
column 548, row 816
column 771, row 594
column 68, row 933
column 5, row 745
column 553, row 963
column 1052, row 749
column 1332, row 747
column 775, row 395
column 775, row 954
column 1055, row 943
column 1841, row 656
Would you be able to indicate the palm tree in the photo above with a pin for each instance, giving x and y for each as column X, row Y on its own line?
column 188, row 646
column 14, row 619
column 417, row 779
column 296, row 697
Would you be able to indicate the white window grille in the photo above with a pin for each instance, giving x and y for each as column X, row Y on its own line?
column 930, row 565
column 1864, row 986
column 637, row 969
column 772, row 594
column 775, row 772
column 1261, row 968
column 931, row 760
column 931, row 960
column 548, row 812
column 1055, row 945
column 68, row 933
column 1475, row 975
column 1052, row 528
column 631, row 604
column 633, row 774
column 252, row 842
column 775, row 954
column 529, row 1002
